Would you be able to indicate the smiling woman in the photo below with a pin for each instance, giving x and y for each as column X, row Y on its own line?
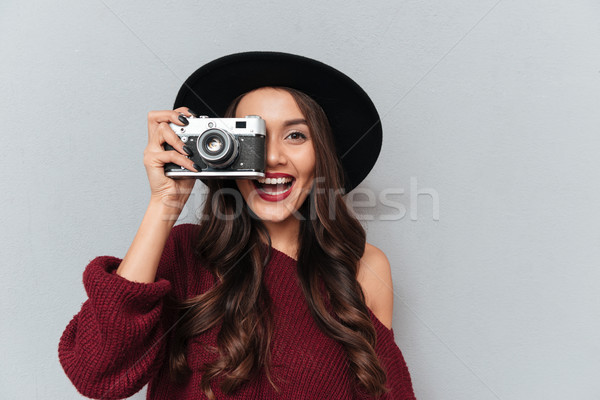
column 284, row 300
column 290, row 155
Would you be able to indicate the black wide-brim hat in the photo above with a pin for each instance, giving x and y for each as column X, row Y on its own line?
column 351, row 113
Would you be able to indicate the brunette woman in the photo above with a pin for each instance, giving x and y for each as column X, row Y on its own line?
column 275, row 292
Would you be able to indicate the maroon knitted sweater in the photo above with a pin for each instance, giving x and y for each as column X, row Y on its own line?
column 117, row 342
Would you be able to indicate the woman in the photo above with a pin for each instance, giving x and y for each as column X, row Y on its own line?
column 275, row 293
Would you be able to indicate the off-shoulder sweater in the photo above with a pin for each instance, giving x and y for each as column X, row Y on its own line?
column 117, row 343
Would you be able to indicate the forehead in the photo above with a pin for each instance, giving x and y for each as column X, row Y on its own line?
column 269, row 103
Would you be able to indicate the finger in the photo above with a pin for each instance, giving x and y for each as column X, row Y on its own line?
column 176, row 117
column 167, row 135
column 161, row 132
column 160, row 158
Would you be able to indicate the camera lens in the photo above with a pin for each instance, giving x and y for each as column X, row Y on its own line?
column 214, row 145
column 217, row 148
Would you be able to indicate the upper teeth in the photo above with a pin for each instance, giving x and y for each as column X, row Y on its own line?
column 273, row 181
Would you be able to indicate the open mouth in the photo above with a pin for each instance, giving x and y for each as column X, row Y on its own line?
column 274, row 186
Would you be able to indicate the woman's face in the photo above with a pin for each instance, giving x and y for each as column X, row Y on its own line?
column 290, row 159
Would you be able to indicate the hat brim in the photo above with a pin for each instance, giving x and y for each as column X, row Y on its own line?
column 352, row 115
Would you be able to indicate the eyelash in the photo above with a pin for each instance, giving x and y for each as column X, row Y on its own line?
column 302, row 135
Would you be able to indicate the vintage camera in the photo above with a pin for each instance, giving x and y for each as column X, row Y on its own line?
column 222, row 147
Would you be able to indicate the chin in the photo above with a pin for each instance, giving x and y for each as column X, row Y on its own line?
column 276, row 217
column 272, row 211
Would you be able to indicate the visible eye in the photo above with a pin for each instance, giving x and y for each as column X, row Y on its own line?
column 296, row 136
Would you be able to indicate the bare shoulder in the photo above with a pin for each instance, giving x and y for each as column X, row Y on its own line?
column 375, row 278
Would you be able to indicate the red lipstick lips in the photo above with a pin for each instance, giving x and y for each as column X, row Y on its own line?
column 274, row 195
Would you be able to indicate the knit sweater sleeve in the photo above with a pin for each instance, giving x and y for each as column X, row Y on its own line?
column 390, row 356
column 116, row 342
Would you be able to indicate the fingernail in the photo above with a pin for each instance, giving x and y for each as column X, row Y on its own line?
column 188, row 151
column 197, row 167
column 194, row 113
column 183, row 120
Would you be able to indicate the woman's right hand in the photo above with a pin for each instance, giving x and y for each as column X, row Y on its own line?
column 169, row 192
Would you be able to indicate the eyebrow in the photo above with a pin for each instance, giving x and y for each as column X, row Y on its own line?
column 296, row 121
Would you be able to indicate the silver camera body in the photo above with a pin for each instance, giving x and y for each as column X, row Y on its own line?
column 222, row 147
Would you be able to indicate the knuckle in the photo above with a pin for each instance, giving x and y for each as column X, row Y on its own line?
column 167, row 131
column 147, row 153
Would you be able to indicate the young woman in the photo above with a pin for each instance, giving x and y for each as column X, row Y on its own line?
column 275, row 292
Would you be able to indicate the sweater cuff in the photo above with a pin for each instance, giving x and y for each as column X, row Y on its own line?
column 102, row 283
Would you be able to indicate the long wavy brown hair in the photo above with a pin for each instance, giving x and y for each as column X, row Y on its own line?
column 331, row 243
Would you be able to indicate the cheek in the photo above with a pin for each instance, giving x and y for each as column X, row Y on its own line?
column 244, row 186
column 306, row 162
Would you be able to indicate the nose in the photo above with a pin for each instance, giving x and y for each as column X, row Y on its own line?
column 275, row 152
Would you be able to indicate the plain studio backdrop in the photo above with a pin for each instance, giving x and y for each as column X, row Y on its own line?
column 484, row 198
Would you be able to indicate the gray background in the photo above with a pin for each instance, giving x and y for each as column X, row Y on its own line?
column 491, row 107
